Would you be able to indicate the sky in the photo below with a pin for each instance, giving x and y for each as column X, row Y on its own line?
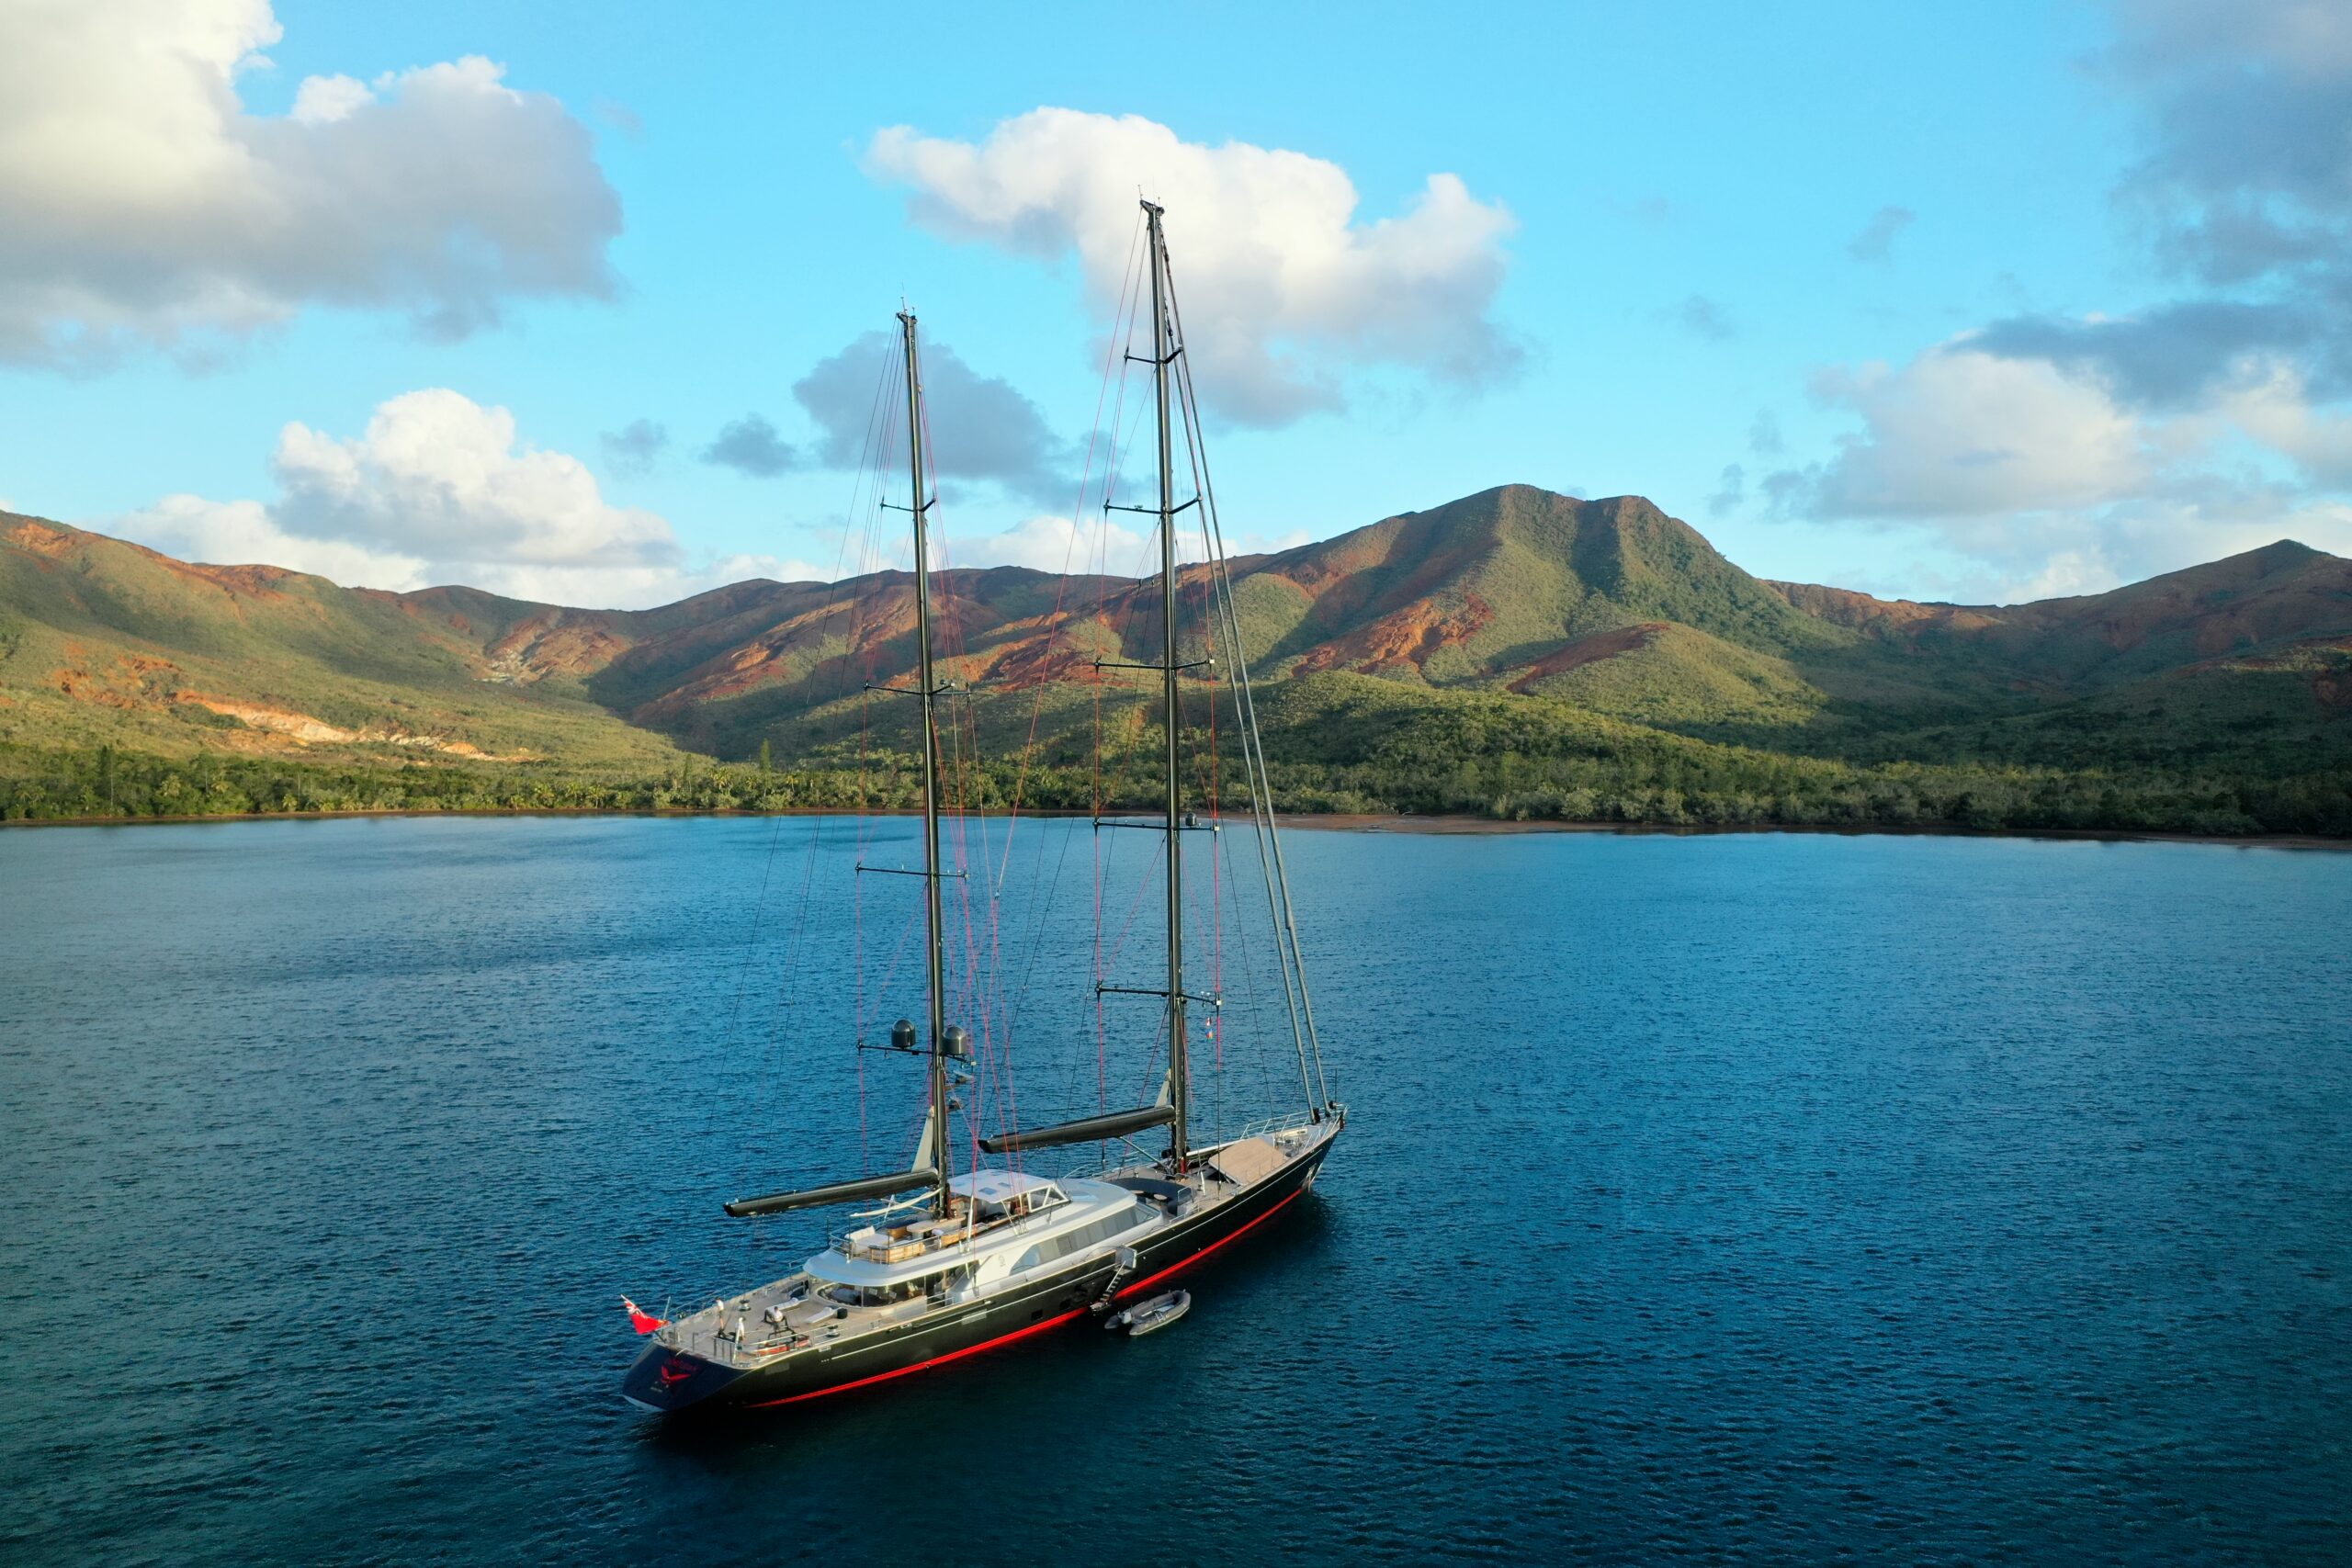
column 587, row 303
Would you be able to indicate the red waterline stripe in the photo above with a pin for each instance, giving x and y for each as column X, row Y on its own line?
column 1032, row 1329
column 1204, row 1252
column 935, row 1361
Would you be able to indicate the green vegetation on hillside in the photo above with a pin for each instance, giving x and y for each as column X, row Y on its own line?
column 1349, row 743
column 105, row 784
column 105, row 643
column 1513, row 654
column 1343, row 743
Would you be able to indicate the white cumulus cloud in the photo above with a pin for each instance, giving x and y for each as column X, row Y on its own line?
column 2053, row 484
column 2275, row 410
column 977, row 427
column 1054, row 543
column 1284, row 288
column 2066, row 451
column 244, row 533
column 1957, row 433
column 438, row 474
column 142, row 202
column 439, row 488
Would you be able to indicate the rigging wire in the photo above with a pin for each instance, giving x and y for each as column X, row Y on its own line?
column 981, row 990
column 1057, row 622
column 882, row 425
column 797, row 938
column 1253, row 748
column 1057, row 626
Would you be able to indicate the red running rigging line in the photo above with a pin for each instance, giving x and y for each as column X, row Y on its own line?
column 880, row 423
column 1056, row 623
column 798, row 941
column 994, row 1084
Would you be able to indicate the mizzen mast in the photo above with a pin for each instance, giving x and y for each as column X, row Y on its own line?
column 1163, row 351
column 929, row 1169
column 927, row 693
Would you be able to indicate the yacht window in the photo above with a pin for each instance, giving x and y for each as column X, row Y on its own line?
column 1055, row 1248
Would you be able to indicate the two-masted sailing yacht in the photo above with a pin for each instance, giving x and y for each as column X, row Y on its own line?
column 962, row 1261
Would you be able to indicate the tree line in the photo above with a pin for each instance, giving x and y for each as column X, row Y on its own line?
column 1604, row 775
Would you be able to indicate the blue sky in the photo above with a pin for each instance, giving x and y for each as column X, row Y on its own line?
column 1933, row 302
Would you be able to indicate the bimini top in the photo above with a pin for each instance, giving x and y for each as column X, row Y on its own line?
column 999, row 1186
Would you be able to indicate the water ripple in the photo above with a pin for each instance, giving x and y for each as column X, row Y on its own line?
column 1709, row 1199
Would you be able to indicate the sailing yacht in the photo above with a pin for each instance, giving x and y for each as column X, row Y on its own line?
column 958, row 1262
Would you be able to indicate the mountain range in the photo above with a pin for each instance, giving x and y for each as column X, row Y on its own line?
column 1514, row 605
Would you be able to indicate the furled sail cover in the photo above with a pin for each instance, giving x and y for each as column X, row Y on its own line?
column 838, row 1192
column 1118, row 1124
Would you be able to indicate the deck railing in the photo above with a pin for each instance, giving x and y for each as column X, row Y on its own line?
column 1285, row 1123
column 1131, row 1155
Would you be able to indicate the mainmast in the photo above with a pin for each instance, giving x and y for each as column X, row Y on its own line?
column 1172, row 1110
column 927, row 693
column 1163, row 351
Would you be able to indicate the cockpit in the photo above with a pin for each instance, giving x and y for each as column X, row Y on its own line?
column 1006, row 1194
column 936, row 1287
column 976, row 1202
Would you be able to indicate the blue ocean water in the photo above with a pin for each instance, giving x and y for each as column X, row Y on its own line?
column 1789, row 1198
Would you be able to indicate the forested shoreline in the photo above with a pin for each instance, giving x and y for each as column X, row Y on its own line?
column 1712, row 786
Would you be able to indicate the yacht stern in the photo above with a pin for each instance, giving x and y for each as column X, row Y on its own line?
column 666, row 1379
